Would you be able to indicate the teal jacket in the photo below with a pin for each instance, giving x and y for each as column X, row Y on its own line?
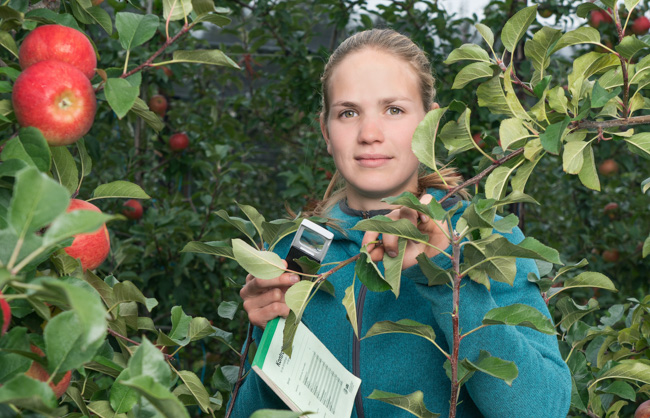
column 404, row 363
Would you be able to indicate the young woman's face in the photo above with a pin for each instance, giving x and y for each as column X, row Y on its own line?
column 375, row 106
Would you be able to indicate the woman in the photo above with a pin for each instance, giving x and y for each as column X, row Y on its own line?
column 377, row 87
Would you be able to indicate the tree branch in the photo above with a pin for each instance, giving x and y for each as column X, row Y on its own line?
column 591, row 124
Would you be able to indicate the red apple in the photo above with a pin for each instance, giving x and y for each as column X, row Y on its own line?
column 643, row 411
column 611, row 256
column 599, row 16
column 61, row 43
column 132, row 209
column 168, row 72
column 38, row 372
column 611, row 209
column 158, row 105
column 56, row 98
column 91, row 248
column 478, row 140
column 179, row 141
column 6, row 315
column 641, row 26
column 608, row 167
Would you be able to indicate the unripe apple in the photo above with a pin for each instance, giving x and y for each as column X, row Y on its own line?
column 60, row 43
column 91, row 248
column 6, row 314
column 608, row 167
column 643, row 411
column 641, row 26
column 545, row 12
column 179, row 141
column 158, row 105
column 599, row 16
column 611, row 256
column 56, row 98
column 38, row 372
column 132, row 209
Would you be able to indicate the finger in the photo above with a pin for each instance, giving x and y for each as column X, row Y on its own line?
column 255, row 285
column 368, row 238
column 261, row 317
column 264, row 299
column 425, row 200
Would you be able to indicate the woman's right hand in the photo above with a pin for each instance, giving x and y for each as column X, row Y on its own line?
column 264, row 299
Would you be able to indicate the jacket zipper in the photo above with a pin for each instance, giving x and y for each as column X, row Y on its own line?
column 356, row 346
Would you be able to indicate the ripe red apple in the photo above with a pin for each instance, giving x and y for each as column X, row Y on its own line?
column 179, row 141
column 641, row 26
column 611, row 256
column 599, row 16
column 158, row 105
column 168, row 72
column 56, row 98
column 611, row 209
column 6, row 315
column 38, row 372
column 643, row 411
column 91, row 248
column 478, row 140
column 61, row 43
column 608, row 167
column 132, row 209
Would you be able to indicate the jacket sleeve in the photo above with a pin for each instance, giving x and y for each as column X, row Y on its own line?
column 254, row 393
column 543, row 385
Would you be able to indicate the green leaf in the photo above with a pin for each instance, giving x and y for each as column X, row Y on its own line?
column 120, row 95
column 516, row 27
column 413, row 402
column 275, row 230
column 369, row 274
column 646, row 247
column 495, row 185
column 486, row 33
column 65, row 168
column 69, row 340
column 621, row 389
column 518, row 182
column 72, row 223
column 197, row 389
column 215, row 19
column 588, row 279
column 202, row 56
column 538, row 50
column 470, row 52
column 400, row 228
column 557, row 100
column 12, row 363
column 403, row 326
column 246, row 227
column 103, row 409
column 261, row 264
column 588, row 174
column 512, row 132
column 571, row 312
column 159, row 396
column 148, row 361
column 351, row 308
column 119, row 188
column 639, row 144
column 30, row 146
column 627, row 369
column 84, row 157
column 629, row 46
column 227, row 309
column 218, row 248
column 176, row 9
column 36, row 201
column 520, row 315
column 135, row 29
column 472, row 72
column 141, row 109
column 583, row 35
column 491, row 95
column 424, row 138
column 493, row 366
column 202, row 7
column 126, row 291
column 600, row 96
column 456, row 136
column 25, row 392
column 433, row 209
column 573, row 156
column 256, row 219
column 7, row 42
column 552, row 137
column 584, row 9
column 122, row 398
column 393, row 267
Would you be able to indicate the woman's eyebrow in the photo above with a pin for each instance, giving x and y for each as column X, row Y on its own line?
column 390, row 100
column 344, row 103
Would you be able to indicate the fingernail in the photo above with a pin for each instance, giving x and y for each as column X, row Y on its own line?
column 392, row 254
column 424, row 218
column 294, row 278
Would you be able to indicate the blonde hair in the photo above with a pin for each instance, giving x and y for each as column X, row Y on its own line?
column 403, row 47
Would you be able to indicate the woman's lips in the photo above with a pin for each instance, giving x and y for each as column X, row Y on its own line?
column 372, row 160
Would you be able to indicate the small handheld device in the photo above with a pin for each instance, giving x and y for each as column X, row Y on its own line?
column 311, row 241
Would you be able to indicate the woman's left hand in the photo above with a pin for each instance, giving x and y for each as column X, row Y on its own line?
column 425, row 224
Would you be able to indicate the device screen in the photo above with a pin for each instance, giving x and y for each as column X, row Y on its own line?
column 312, row 239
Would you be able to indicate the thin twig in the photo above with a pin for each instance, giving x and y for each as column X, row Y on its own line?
column 118, row 335
column 241, row 369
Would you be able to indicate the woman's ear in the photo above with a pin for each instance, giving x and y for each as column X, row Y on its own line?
column 325, row 132
column 434, row 106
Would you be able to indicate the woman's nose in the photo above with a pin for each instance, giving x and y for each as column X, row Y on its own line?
column 370, row 130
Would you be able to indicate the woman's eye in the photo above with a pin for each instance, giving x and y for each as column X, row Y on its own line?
column 348, row 113
column 394, row 110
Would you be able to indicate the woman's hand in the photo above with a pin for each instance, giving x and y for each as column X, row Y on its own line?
column 264, row 299
column 425, row 224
